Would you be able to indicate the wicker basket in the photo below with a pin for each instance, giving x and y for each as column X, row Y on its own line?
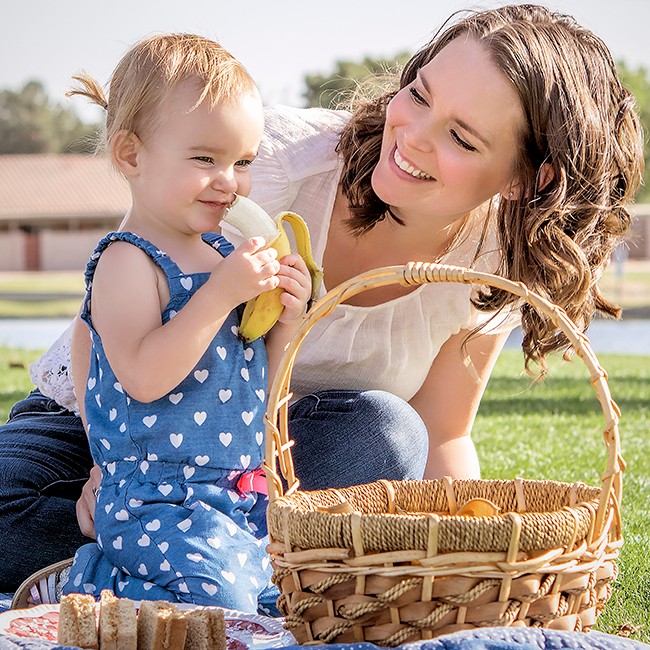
column 391, row 562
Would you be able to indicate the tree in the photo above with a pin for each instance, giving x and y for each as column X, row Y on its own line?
column 31, row 123
column 638, row 82
column 334, row 89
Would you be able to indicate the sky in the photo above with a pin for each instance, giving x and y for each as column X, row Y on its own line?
column 279, row 41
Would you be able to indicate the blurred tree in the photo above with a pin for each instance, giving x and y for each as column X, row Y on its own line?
column 31, row 123
column 335, row 89
column 638, row 82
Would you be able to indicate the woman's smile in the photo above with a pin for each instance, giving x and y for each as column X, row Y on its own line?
column 407, row 167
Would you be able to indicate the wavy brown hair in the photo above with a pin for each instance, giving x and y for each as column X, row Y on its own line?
column 579, row 119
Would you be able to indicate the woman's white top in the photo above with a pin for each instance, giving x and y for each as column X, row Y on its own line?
column 386, row 347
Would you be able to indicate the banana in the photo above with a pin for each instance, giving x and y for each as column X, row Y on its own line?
column 262, row 312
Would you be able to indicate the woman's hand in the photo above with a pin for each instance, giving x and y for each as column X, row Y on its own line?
column 86, row 503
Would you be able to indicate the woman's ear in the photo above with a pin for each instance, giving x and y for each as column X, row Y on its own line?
column 544, row 176
column 124, row 150
column 512, row 192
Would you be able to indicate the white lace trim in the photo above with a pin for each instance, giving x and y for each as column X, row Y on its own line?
column 51, row 373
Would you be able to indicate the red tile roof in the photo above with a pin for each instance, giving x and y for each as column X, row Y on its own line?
column 38, row 186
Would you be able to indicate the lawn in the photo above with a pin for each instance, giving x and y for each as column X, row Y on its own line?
column 540, row 430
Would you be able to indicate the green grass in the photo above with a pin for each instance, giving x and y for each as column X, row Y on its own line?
column 543, row 430
column 553, row 430
column 41, row 295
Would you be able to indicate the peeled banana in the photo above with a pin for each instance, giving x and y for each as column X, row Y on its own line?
column 262, row 312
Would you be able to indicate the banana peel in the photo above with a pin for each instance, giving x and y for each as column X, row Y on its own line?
column 262, row 312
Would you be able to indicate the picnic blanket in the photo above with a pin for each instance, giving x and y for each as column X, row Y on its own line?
column 486, row 639
column 494, row 638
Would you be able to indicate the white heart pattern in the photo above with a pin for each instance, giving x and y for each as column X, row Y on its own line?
column 260, row 394
column 105, row 442
column 118, row 387
column 91, row 383
column 259, row 437
column 245, row 460
column 188, row 472
column 247, row 417
column 209, row 589
column 175, row 398
column 230, row 577
column 142, row 569
column 249, row 353
column 186, row 283
column 153, row 525
column 135, row 503
column 163, row 546
column 117, row 543
column 184, row 525
column 242, row 557
column 225, row 438
column 112, row 414
column 176, row 439
column 221, row 351
column 201, row 460
column 194, row 557
column 165, row 489
column 199, row 417
column 149, row 420
column 201, row 375
column 182, row 586
column 122, row 515
column 165, row 566
column 245, row 374
column 225, row 395
column 215, row 542
column 145, row 540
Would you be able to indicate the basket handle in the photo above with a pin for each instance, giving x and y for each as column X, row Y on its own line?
column 278, row 445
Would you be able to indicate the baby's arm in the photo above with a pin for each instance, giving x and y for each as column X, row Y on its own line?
column 150, row 358
column 296, row 282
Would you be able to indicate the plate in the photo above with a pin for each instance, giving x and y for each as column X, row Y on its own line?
column 244, row 631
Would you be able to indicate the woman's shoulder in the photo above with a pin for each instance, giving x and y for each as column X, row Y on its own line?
column 292, row 128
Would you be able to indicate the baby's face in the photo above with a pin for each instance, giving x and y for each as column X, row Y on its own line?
column 197, row 159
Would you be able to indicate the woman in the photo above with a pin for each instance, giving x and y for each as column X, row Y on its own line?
column 511, row 147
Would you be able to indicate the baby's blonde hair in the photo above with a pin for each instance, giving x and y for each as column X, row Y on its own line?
column 152, row 69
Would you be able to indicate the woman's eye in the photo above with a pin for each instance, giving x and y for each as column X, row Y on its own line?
column 460, row 142
column 205, row 159
column 417, row 98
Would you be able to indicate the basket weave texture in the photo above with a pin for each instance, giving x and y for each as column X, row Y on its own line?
column 393, row 561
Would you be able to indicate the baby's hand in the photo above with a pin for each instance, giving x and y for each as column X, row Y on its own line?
column 248, row 271
column 294, row 278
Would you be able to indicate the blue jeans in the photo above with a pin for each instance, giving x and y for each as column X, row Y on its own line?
column 342, row 438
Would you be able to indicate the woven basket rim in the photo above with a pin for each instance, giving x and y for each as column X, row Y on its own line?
column 297, row 517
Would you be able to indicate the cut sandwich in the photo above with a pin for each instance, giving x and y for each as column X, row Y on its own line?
column 161, row 626
column 117, row 623
column 206, row 629
column 77, row 621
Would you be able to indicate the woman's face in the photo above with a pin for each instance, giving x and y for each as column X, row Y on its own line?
column 451, row 137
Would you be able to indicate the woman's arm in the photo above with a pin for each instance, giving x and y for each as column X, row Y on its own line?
column 449, row 399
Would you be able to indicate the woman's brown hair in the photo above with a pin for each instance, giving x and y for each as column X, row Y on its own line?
column 580, row 122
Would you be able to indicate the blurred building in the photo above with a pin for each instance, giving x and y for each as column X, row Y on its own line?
column 55, row 208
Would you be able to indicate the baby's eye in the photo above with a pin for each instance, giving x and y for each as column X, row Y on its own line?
column 243, row 163
column 417, row 98
column 205, row 159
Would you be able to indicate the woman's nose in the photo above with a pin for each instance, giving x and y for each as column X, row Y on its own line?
column 418, row 135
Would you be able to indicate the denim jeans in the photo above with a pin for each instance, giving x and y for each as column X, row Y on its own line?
column 342, row 438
